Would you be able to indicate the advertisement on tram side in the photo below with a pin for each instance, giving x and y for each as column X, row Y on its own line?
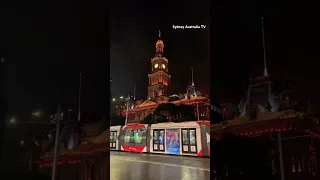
column 173, row 141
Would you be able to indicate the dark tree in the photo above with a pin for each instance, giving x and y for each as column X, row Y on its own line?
column 148, row 119
column 162, row 119
column 184, row 113
column 176, row 113
column 117, row 120
column 169, row 112
column 153, row 118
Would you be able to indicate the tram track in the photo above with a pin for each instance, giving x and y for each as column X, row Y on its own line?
column 157, row 163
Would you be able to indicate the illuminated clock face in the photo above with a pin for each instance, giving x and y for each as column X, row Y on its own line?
column 156, row 65
column 163, row 66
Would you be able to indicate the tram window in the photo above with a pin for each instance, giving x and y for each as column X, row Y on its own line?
column 111, row 136
column 161, row 138
column 138, row 135
column 185, row 137
column 114, row 136
column 113, row 139
column 192, row 137
column 158, row 140
column 155, row 137
column 128, row 136
column 155, row 140
column 189, row 141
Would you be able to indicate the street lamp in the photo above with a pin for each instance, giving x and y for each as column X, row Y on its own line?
column 36, row 114
column 198, row 117
column 127, row 99
column 13, row 120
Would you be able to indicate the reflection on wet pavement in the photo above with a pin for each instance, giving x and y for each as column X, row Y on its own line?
column 136, row 166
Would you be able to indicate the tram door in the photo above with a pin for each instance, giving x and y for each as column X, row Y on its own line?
column 158, row 140
column 189, row 141
column 113, row 139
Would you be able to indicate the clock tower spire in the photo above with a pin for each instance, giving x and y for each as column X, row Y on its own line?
column 159, row 78
column 159, row 46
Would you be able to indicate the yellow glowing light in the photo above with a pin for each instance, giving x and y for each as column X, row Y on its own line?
column 156, row 65
column 37, row 113
column 13, row 120
column 163, row 66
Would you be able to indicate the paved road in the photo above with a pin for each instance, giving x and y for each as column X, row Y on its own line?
column 136, row 166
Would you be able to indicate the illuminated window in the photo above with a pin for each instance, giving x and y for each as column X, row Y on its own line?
column 138, row 136
column 158, row 140
column 192, row 133
column 189, row 141
column 113, row 139
column 128, row 136
column 185, row 138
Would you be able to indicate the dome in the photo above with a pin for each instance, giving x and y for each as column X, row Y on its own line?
column 159, row 42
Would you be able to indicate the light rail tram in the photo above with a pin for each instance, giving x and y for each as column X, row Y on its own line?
column 185, row 138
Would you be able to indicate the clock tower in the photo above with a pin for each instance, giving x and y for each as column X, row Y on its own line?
column 159, row 79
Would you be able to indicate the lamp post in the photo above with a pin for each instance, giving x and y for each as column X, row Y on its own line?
column 58, row 117
column 198, row 112
column 280, row 155
column 128, row 100
column 54, row 166
column 198, row 116
column 13, row 120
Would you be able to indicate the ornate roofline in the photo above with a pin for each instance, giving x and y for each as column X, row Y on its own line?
column 158, row 72
column 156, row 58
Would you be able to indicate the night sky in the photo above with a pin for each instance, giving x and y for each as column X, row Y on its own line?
column 134, row 32
column 292, row 44
column 47, row 44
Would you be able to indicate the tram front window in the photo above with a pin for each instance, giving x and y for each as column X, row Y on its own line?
column 127, row 136
column 138, row 135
